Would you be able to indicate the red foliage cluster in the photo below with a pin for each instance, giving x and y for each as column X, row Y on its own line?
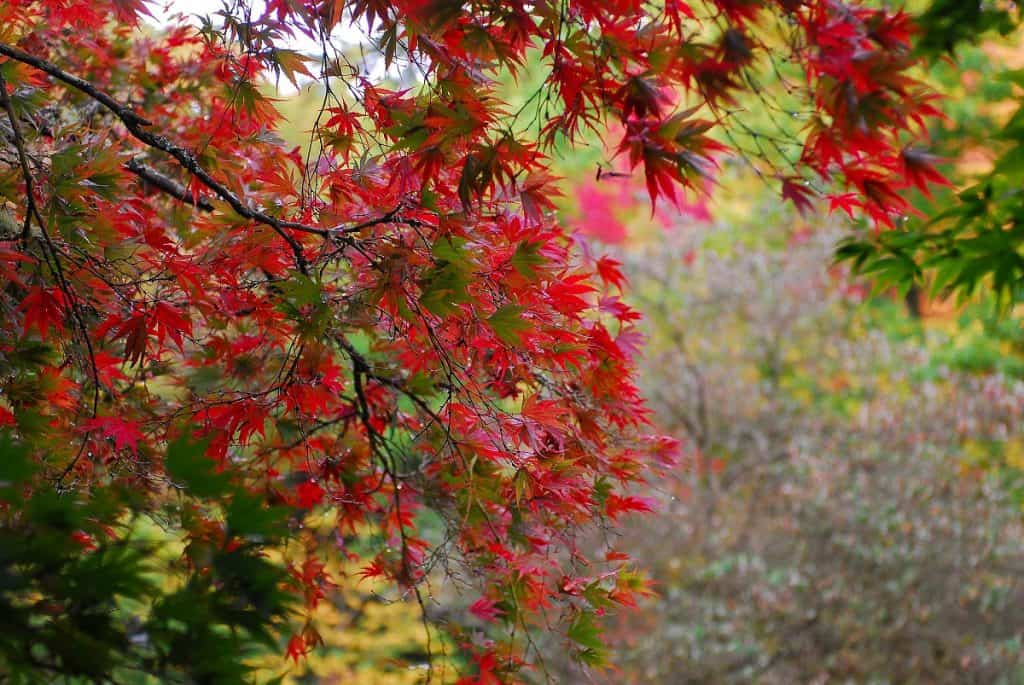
column 394, row 323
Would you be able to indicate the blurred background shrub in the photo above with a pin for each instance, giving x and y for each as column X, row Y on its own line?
column 849, row 509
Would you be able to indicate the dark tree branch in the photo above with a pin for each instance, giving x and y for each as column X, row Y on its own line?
column 32, row 212
column 167, row 185
column 19, row 145
column 136, row 126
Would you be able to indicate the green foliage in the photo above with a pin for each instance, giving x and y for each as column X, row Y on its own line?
column 969, row 238
column 445, row 286
column 949, row 24
column 585, row 632
column 508, row 323
column 87, row 602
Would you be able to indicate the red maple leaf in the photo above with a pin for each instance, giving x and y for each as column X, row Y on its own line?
column 800, row 193
column 919, row 169
column 297, row 648
column 309, row 494
column 122, row 432
column 44, row 310
column 486, row 609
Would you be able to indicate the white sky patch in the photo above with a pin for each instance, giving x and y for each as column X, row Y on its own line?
column 346, row 34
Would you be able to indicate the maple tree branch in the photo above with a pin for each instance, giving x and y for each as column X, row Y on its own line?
column 32, row 211
column 135, row 125
column 19, row 146
column 363, row 365
column 167, row 185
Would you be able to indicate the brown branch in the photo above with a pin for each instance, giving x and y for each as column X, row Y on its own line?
column 136, row 126
column 32, row 211
column 360, row 363
column 19, row 145
column 167, row 185
column 179, row 192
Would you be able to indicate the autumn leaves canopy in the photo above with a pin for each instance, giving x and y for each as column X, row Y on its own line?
column 388, row 323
